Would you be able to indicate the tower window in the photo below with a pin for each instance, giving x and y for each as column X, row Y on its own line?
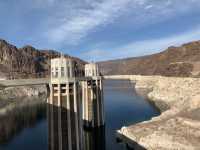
column 62, row 72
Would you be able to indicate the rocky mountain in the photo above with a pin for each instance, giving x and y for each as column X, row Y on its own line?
column 180, row 61
column 26, row 62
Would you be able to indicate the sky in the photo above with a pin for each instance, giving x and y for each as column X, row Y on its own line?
column 98, row 30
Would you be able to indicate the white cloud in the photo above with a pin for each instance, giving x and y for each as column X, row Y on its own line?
column 144, row 47
column 76, row 20
column 85, row 20
column 148, row 7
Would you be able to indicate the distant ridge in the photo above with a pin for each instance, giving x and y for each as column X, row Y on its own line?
column 183, row 61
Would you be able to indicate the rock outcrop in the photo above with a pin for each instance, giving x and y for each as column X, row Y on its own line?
column 178, row 126
column 23, row 92
column 26, row 62
column 180, row 61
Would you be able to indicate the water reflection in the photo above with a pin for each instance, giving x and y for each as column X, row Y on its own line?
column 65, row 134
column 16, row 117
column 94, row 139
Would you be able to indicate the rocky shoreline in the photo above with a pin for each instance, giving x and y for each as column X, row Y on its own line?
column 11, row 96
column 178, row 126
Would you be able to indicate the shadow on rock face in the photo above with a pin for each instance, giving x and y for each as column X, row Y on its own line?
column 130, row 144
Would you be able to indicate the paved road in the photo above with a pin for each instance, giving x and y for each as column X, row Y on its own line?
column 24, row 82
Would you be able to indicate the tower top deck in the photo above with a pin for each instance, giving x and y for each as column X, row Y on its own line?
column 91, row 70
column 62, row 68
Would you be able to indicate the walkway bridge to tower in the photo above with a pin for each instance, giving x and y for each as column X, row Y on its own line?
column 24, row 82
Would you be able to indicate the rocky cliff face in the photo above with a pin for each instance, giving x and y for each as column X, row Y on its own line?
column 27, row 92
column 26, row 62
column 181, row 61
column 178, row 126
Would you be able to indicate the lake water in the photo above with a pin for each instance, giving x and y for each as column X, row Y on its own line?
column 27, row 128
